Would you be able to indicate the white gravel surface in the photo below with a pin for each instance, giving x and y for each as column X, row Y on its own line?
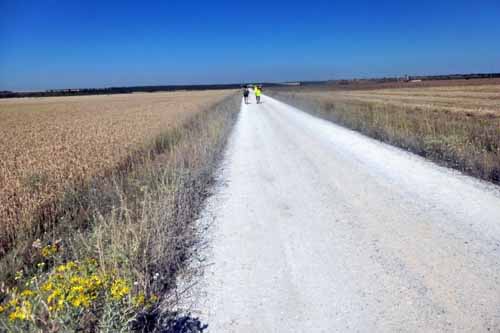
column 316, row 228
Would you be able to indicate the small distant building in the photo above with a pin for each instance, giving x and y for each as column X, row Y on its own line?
column 408, row 78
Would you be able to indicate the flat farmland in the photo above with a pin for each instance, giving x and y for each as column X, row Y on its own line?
column 473, row 100
column 456, row 124
column 50, row 144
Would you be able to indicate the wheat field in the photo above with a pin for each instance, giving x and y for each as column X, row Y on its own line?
column 50, row 144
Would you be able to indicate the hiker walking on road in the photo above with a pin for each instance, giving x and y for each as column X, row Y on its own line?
column 246, row 92
column 258, row 93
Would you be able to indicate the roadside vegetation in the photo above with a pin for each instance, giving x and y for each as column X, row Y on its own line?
column 457, row 126
column 97, row 228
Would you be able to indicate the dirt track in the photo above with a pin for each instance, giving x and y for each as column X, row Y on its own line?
column 318, row 229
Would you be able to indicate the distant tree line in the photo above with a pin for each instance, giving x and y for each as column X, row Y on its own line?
column 406, row 78
column 127, row 90
column 457, row 76
column 116, row 90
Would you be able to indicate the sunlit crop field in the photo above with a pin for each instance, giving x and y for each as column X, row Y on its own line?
column 453, row 123
column 474, row 100
column 48, row 144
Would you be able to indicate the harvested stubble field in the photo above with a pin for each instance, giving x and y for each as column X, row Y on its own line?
column 456, row 124
column 473, row 101
column 103, row 189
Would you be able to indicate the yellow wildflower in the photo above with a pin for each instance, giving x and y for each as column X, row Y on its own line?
column 13, row 302
column 56, row 306
column 60, row 303
column 77, row 289
column 139, row 300
column 22, row 312
column 49, row 250
column 76, row 280
column 78, row 297
column 48, row 286
column 54, row 295
column 80, row 300
column 27, row 293
column 119, row 289
column 2, row 309
column 17, row 314
column 71, row 265
column 96, row 280
column 65, row 268
column 61, row 269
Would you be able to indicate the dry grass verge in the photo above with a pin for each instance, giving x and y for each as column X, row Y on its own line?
column 455, row 126
column 128, row 230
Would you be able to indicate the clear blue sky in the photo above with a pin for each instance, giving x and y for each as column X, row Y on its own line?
column 57, row 44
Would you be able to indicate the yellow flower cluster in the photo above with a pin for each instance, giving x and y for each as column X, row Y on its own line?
column 20, row 306
column 138, row 300
column 79, row 285
column 74, row 285
column 49, row 250
column 66, row 293
column 119, row 289
column 22, row 311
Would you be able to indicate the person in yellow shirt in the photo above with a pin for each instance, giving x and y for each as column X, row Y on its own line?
column 258, row 93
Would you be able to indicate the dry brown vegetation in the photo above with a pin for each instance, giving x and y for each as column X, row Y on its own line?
column 112, row 179
column 471, row 100
column 48, row 144
column 458, row 126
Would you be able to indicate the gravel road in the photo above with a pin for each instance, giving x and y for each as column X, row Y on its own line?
column 316, row 228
